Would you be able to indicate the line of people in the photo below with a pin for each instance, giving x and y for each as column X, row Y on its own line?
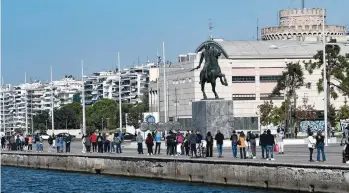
column 109, row 143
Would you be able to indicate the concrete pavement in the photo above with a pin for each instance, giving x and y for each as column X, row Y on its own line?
column 293, row 154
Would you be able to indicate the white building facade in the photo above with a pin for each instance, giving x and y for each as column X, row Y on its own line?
column 252, row 69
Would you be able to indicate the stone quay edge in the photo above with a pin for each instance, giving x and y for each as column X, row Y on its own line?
column 291, row 177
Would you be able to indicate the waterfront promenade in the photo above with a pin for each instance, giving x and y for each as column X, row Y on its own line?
column 293, row 154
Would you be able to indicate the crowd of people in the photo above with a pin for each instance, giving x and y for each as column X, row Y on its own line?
column 190, row 143
column 21, row 142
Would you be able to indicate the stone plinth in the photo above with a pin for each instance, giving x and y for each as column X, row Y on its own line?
column 213, row 115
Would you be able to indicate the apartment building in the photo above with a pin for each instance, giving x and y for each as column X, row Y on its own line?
column 25, row 100
column 134, row 81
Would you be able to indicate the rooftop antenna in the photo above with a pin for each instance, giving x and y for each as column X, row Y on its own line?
column 210, row 27
column 257, row 30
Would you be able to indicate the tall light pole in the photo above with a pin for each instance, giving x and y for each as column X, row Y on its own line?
column 325, row 76
column 3, row 101
column 83, row 99
column 120, row 102
column 165, row 95
column 26, row 103
column 52, row 105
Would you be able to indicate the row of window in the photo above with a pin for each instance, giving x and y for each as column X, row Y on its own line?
column 251, row 97
column 249, row 79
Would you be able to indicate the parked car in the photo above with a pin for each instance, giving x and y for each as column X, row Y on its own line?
column 129, row 137
column 66, row 134
column 44, row 136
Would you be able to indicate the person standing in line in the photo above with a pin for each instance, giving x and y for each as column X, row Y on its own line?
column 3, row 143
column 280, row 138
column 186, row 144
column 41, row 144
column 219, row 141
column 67, row 143
column 93, row 138
column 320, row 146
column 209, row 145
column 111, row 143
column 157, row 142
column 100, row 143
column 37, row 143
column 87, row 143
column 150, row 143
column 30, row 143
column 242, row 145
column 59, row 143
column 50, row 142
column 118, row 142
column 22, row 141
column 252, row 140
column 234, row 144
column 139, row 140
column 192, row 142
column 270, row 142
column 18, row 143
column 83, row 139
column 26, row 142
column 179, row 141
column 263, row 144
column 311, row 146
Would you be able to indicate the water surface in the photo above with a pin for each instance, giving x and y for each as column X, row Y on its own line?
column 23, row 180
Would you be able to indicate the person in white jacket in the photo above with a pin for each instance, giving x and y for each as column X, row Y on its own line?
column 311, row 145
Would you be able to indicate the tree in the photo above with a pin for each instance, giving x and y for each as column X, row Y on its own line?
column 278, row 114
column 145, row 100
column 40, row 120
column 337, row 67
column 343, row 112
column 292, row 78
column 105, row 112
column 265, row 110
column 135, row 116
column 306, row 111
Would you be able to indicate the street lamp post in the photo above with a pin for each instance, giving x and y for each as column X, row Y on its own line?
column 52, row 105
column 83, row 99
column 325, row 76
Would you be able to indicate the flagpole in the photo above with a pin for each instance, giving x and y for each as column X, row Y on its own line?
column 26, row 103
column 52, row 105
column 157, row 82
column 165, row 98
column 83, row 99
column 3, row 106
column 120, row 102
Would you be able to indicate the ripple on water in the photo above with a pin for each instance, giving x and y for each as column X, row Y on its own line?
column 22, row 180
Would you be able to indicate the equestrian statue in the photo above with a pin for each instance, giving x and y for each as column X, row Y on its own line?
column 211, row 70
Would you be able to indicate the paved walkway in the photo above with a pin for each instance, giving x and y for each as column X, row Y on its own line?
column 293, row 154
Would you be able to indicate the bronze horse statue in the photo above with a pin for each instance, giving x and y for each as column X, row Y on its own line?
column 211, row 70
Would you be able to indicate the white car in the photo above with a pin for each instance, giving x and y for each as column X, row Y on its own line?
column 44, row 136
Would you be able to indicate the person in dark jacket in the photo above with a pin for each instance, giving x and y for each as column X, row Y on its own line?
column 263, row 144
column 209, row 144
column 192, row 142
column 150, row 143
column 270, row 142
column 219, row 140
column 88, row 143
column 320, row 145
column 50, row 142
column 234, row 144
column 100, row 143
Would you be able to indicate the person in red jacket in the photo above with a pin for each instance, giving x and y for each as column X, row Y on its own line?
column 93, row 138
column 150, row 143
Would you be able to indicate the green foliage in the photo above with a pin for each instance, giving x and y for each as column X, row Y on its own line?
column 305, row 112
column 343, row 112
column 105, row 110
column 337, row 70
column 68, row 116
column 145, row 100
column 265, row 111
column 292, row 78
column 278, row 114
column 331, row 115
column 40, row 119
column 135, row 116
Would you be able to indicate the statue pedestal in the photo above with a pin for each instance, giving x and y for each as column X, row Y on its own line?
column 213, row 115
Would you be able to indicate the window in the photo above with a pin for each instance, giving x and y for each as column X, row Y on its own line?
column 244, row 97
column 267, row 96
column 243, row 79
column 269, row 78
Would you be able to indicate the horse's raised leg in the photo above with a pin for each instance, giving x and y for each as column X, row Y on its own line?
column 213, row 84
column 223, row 80
column 203, row 89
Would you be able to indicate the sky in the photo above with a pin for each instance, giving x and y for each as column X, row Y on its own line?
column 39, row 33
